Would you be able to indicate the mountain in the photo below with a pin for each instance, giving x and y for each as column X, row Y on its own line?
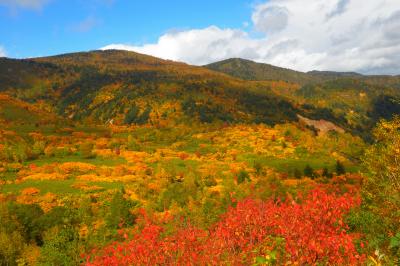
column 333, row 74
column 249, row 70
column 355, row 99
column 130, row 88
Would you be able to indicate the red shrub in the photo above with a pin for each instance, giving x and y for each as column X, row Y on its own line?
column 313, row 232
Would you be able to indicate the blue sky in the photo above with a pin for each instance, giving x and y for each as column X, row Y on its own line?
column 339, row 35
column 59, row 26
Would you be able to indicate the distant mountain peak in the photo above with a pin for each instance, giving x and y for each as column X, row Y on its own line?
column 250, row 70
column 335, row 73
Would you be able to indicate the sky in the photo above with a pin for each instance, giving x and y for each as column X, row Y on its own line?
column 338, row 35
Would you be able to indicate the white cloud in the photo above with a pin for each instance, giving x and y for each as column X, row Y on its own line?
column 197, row 46
column 270, row 19
column 2, row 52
column 342, row 35
column 28, row 4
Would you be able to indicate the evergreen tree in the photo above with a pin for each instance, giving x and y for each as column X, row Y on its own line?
column 132, row 115
column 308, row 171
column 297, row 173
column 243, row 176
column 340, row 170
column 325, row 172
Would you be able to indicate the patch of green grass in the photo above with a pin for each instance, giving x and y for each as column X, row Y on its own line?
column 47, row 130
column 177, row 165
column 101, row 130
column 98, row 161
column 16, row 113
column 8, row 176
column 193, row 145
column 108, row 185
column 45, row 186
column 60, row 187
column 25, row 129
column 123, row 135
column 288, row 165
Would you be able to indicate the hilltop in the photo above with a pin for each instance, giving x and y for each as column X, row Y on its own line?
column 250, row 70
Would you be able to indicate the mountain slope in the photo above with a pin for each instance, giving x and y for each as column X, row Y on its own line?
column 357, row 100
column 15, row 111
column 127, row 87
column 130, row 88
column 249, row 70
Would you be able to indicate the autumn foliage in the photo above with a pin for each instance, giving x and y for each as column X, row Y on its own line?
column 307, row 231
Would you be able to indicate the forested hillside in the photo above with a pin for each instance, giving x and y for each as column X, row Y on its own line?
column 357, row 102
column 128, row 87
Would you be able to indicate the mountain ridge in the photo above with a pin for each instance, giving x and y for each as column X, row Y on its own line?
column 263, row 71
column 129, row 87
column 101, row 85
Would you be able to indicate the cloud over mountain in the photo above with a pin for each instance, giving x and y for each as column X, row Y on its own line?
column 345, row 35
column 2, row 52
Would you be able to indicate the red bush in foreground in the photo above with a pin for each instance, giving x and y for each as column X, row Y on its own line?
column 308, row 232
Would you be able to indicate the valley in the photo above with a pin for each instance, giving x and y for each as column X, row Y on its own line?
column 118, row 158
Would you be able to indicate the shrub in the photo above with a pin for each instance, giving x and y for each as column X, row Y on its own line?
column 120, row 212
column 381, row 188
column 308, row 171
column 258, row 167
column 61, row 248
column 86, row 150
column 176, row 192
column 29, row 217
column 340, row 170
column 297, row 174
column 325, row 173
column 132, row 144
column 38, row 148
column 210, row 181
column 309, row 232
column 243, row 176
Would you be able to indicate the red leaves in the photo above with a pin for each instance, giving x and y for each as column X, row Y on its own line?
column 183, row 156
column 312, row 230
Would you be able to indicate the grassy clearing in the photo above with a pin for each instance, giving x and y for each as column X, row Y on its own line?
column 17, row 113
column 289, row 165
column 45, row 186
column 56, row 186
column 98, row 161
column 8, row 176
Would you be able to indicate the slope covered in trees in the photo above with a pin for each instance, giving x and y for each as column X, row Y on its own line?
column 126, row 87
column 355, row 101
column 101, row 86
column 249, row 70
